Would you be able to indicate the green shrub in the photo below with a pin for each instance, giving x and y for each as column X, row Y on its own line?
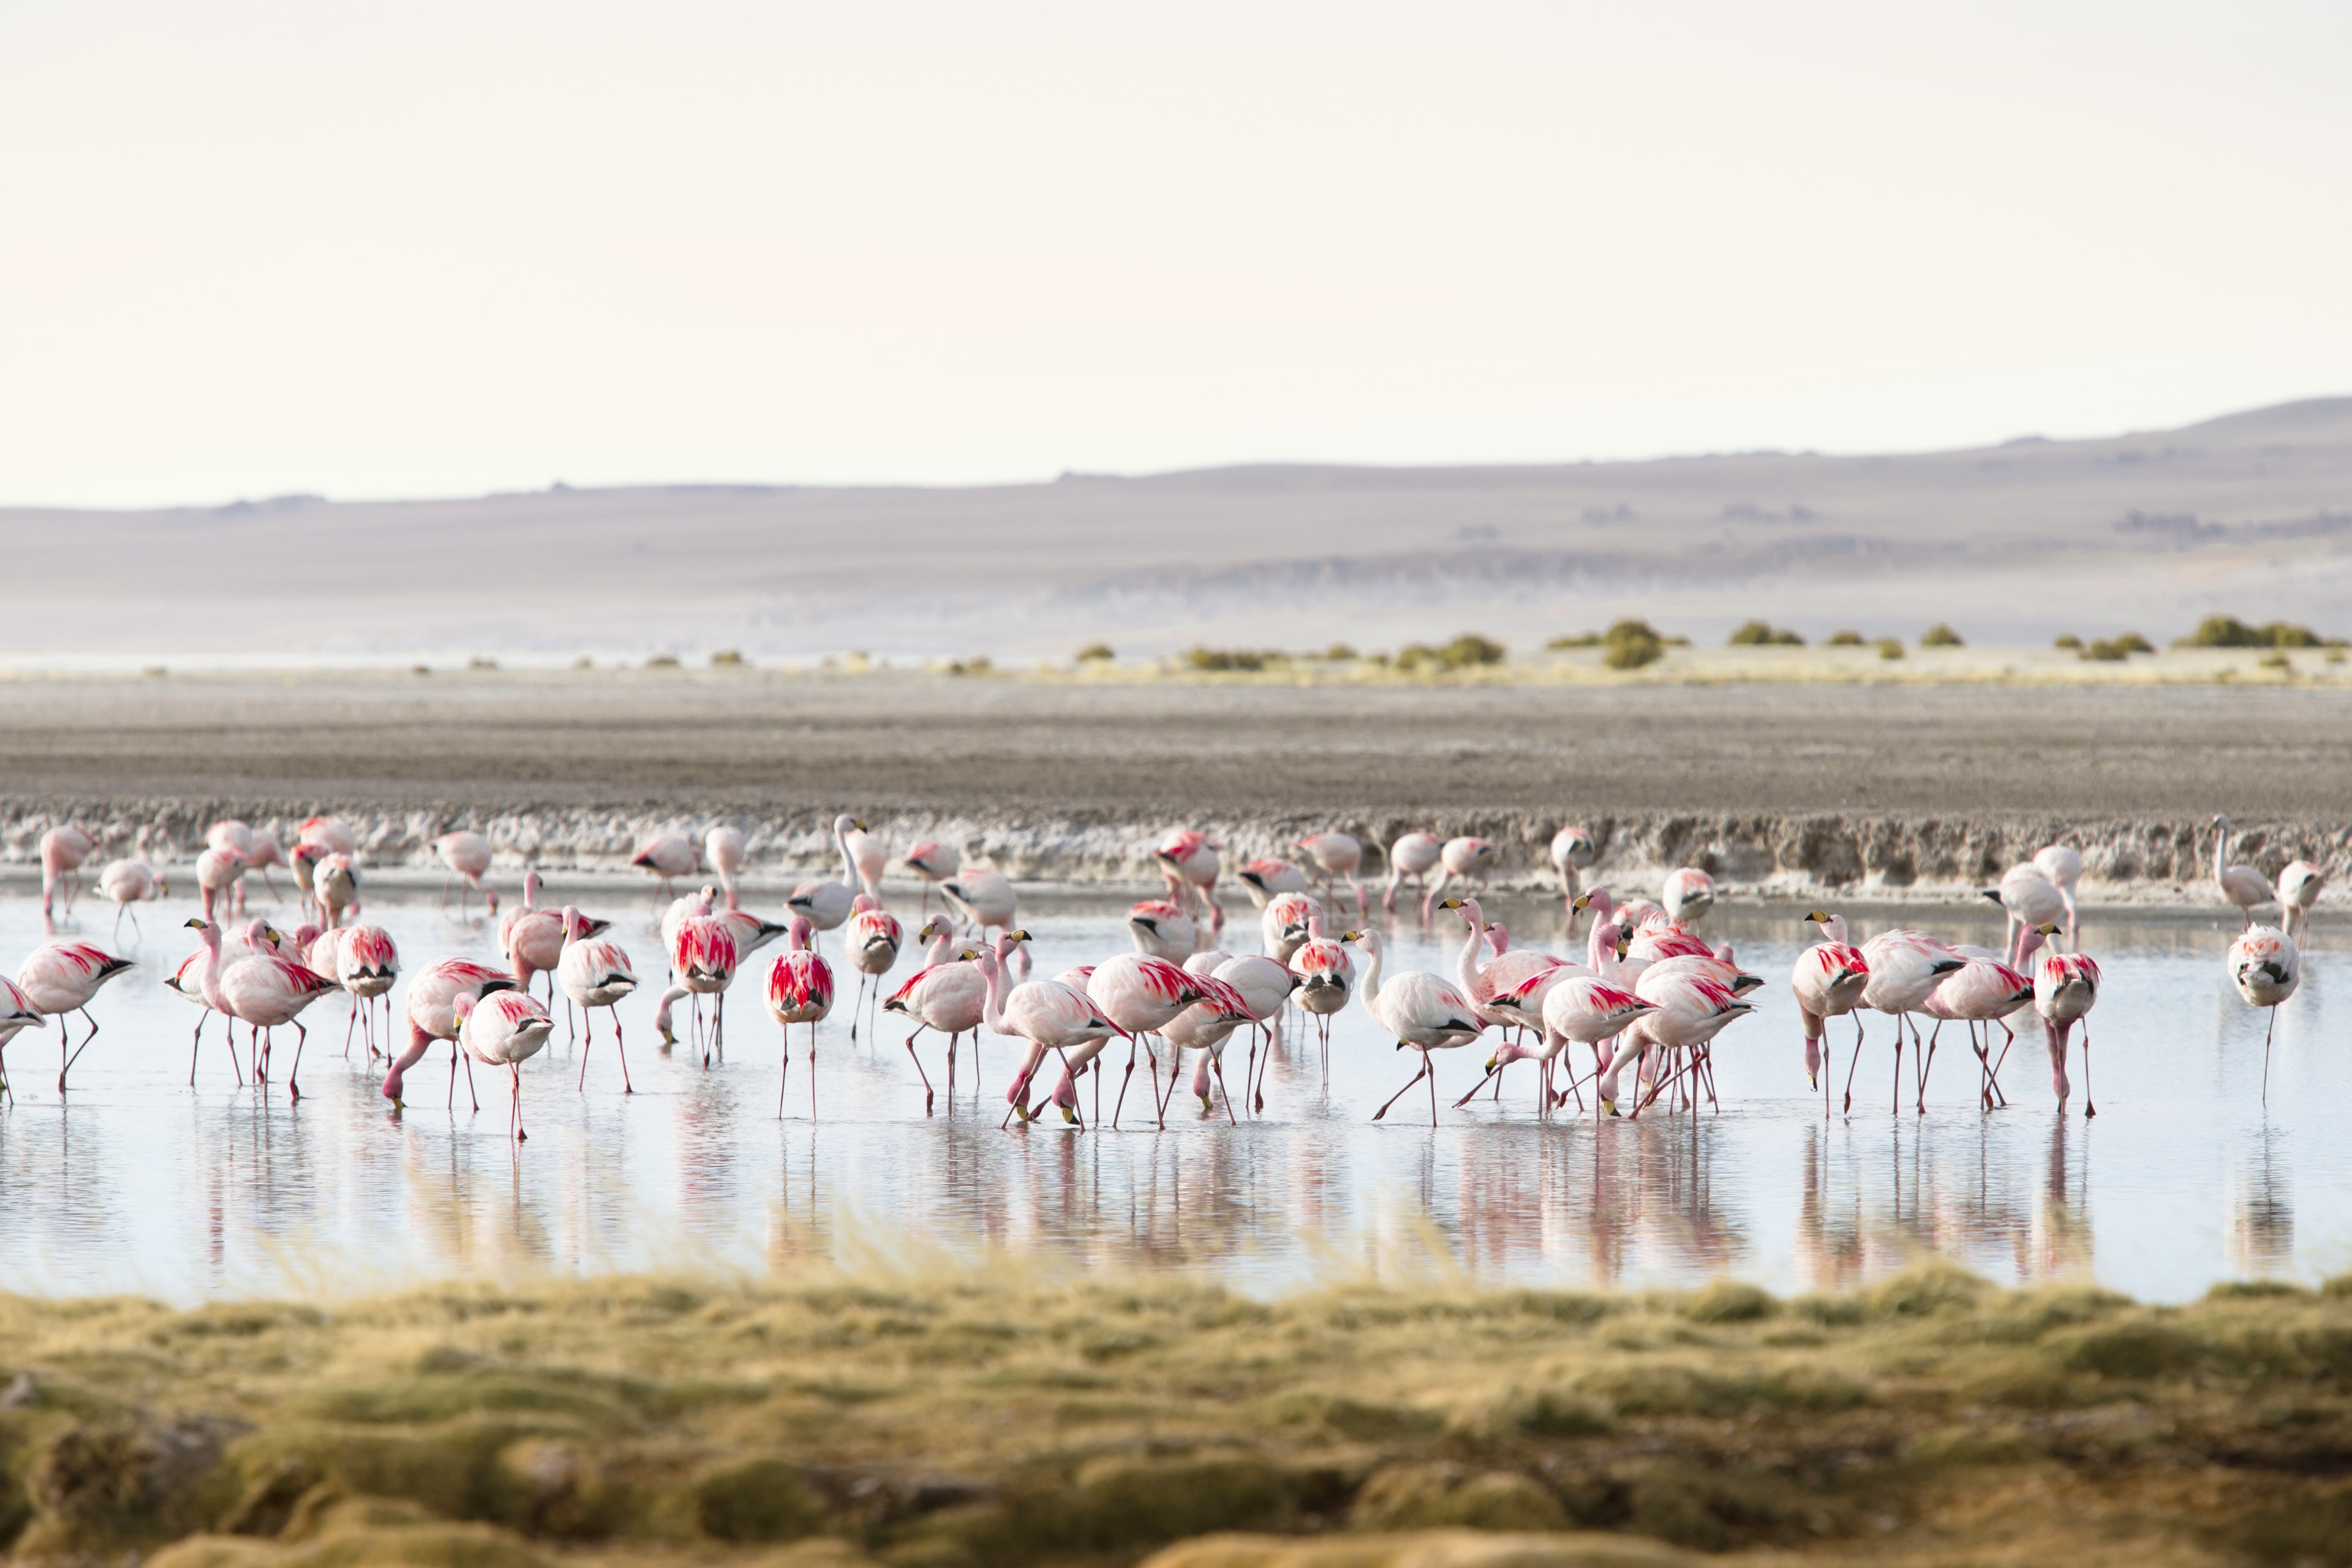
column 1231, row 658
column 1940, row 635
column 1889, row 648
column 2229, row 631
column 1096, row 653
column 1760, row 634
column 662, row 662
column 1631, row 644
column 2067, row 639
column 1462, row 653
column 727, row 659
column 1339, row 653
column 1845, row 640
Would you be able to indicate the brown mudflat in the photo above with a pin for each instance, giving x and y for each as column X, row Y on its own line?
column 1112, row 752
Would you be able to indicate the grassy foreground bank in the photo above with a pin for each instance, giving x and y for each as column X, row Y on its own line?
column 985, row 1421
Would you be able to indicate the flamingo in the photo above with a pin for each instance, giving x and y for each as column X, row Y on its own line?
column 534, row 938
column 230, row 834
column 1523, row 1005
column 873, row 943
column 980, row 893
column 661, row 1014
column 506, row 1029
column 1411, row 855
column 929, row 862
column 1904, row 967
column 667, row 856
column 800, row 991
column 1693, row 1008
column 1577, row 1007
column 1052, row 1015
column 1162, row 929
column 263, row 852
column 329, row 833
column 1572, row 850
column 366, row 962
column 1265, row 985
column 1507, row 971
column 1327, row 977
column 723, row 847
column 262, row 991
column 468, row 854
column 2266, row 966
column 1982, row 991
column 432, row 996
column 1687, row 895
column 949, row 996
column 1463, row 859
column 2241, row 885
column 1828, row 982
column 1284, row 925
column 217, row 870
column 2062, row 864
column 18, row 1013
column 1423, row 1012
column 2030, row 898
column 1336, row 855
column 703, row 954
column 1205, row 1026
column 335, row 884
column 129, row 882
column 61, row 977
column 1265, row 878
column 869, row 854
column 827, row 904
column 2065, row 988
column 594, row 973
column 2298, row 888
column 1190, row 862
column 1140, row 994
column 63, row 849
column 188, row 982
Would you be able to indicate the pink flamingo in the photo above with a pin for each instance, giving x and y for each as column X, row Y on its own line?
column 467, row 855
column 61, row 977
column 1467, row 859
column 1162, row 929
column 218, row 869
column 950, row 996
column 704, row 955
column 335, row 884
column 1190, row 862
column 1337, row 854
column 1828, row 982
column 594, row 973
column 332, row 833
column 800, row 991
column 1507, row 971
column 1327, row 978
column 1284, row 927
column 2299, row 884
column 982, row 895
column 1420, row 1011
column 1687, row 895
column 1205, row 1026
column 1522, row 1006
column 63, row 849
column 505, row 1029
column 873, row 943
column 667, row 856
column 1266, row 877
column 18, row 1013
column 1693, row 1008
column 1414, row 855
column 129, row 882
column 929, row 863
column 2266, row 966
column 1982, row 991
column 723, row 847
column 1140, row 994
column 2065, row 988
column 1051, row 1015
column 1904, row 966
column 2241, row 885
column 263, row 991
column 1572, row 850
column 2062, row 864
column 1265, row 985
column 1576, row 1007
column 367, row 961
column 432, row 1016
column 827, row 904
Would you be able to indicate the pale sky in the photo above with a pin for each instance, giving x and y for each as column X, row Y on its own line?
column 430, row 248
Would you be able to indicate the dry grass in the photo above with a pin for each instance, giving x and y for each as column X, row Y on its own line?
column 979, row 1420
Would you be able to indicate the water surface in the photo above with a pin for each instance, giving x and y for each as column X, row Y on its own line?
column 137, row 1181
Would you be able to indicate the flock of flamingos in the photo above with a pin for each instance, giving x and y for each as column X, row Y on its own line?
column 1652, row 996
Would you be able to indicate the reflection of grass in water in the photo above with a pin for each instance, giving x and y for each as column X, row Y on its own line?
column 937, row 1416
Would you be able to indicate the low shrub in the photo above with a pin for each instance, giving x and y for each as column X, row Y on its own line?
column 1464, row 652
column 2229, row 631
column 1631, row 644
column 1760, row 634
column 1845, row 640
column 2066, row 640
column 727, row 659
column 1890, row 647
column 1940, row 635
column 1097, row 652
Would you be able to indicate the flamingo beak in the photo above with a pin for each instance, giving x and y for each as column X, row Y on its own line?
column 1583, row 902
column 1069, row 1116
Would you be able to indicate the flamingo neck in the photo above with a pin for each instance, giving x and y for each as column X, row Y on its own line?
column 1372, row 969
column 1602, row 954
column 991, row 1011
column 1465, row 967
column 2221, row 844
column 848, row 865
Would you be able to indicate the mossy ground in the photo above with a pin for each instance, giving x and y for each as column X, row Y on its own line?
column 985, row 1421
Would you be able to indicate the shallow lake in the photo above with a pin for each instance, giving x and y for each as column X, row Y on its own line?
column 136, row 1181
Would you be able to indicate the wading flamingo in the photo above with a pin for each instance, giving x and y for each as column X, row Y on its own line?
column 217, row 870
column 1283, row 927
column 1904, row 967
column 667, row 856
column 467, row 855
column 1337, row 856
column 2241, row 885
column 1191, row 862
column 504, row 1029
column 1140, row 994
column 1205, row 1026
column 129, row 882
column 1466, row 858
column 1579, row 1008
column 595, row 972
column 929, row 863
column 335, row 885
column 2299, row 884
column 1051, row 1015
column 947, row 996
column 2266, row 966
column 979, row 893
column 1693, row 1008
column 1572, row 851
column 1162, row 929
column 1412, row 858
column 63, row 849
column 330, row 833
column 1420, row 1011
column 367, row 961
column 2065, row 988
column 60, row 977
column 1687, row 895
column 826, row 904
column 1265, row 878
column 18, row 1013
column 1327, row 978
column 1828, row 983
column 1982, row 991
column 263, row 991
column 872, row 942
column 800, row 991
column 2062, row 864
column 723, row 847
column 2030, row 898
column 1266, row 986
column 704, row 955
column 431, row 1005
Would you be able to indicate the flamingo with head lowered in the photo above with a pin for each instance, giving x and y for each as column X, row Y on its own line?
column 1051, row 1015
column 1420, row 1011
column 800, row 991
column 63, row 849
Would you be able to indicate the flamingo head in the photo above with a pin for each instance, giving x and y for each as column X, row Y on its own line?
column 1008, row 940
column 462, row 1007
column 212, row 932
column 934, row 928
column 491, row 897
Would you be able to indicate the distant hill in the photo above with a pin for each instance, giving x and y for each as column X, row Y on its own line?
column 2251, row 512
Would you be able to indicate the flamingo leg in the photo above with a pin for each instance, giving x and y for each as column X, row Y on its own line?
column 1121, row 1102
column 1415, row 1078
column 514, row 1070
column 301, row 1039
column 785, row 1075
column 1217, row 1066
column 620, row 1049
column 591, row 1046
column 812, row 1059
column 1491, row 1072
column 2089, row 1109
column 2267, row 1033
column 78, row 1049
column 1855, row 1063
column 918, row 1071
